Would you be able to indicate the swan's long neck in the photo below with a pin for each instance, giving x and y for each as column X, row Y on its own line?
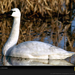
column 13, row 38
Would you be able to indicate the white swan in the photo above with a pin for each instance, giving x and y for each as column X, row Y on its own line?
column 30, row 49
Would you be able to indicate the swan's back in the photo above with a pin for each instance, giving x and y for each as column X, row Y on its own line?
column 33, row 49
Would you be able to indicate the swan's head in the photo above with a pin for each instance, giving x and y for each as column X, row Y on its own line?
column 15, row 12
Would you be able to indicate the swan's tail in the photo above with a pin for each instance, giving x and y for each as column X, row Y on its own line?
column 61, row 55
column 71, row 53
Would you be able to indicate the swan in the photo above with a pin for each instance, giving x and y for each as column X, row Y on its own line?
column 30, row 49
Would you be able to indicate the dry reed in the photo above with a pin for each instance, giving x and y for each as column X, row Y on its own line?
column 40, row 18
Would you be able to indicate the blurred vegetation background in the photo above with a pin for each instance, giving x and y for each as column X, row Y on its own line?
column 44, row 20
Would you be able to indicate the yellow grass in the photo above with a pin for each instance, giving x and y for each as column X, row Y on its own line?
column 38, row 16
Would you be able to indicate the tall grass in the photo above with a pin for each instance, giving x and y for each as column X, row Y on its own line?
column 39, row 18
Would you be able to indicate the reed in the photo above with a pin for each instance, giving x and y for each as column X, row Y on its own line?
column 39, row 19
column 41, row 6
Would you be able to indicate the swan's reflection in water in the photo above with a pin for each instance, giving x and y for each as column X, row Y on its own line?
column 71, row 59
column 11, row 61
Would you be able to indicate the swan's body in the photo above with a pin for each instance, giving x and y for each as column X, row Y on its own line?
column 30, row 49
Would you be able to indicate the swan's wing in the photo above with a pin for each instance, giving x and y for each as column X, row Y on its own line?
column 35, row 48
column 32, row 47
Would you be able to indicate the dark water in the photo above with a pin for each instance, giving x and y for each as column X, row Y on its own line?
column 0, row 61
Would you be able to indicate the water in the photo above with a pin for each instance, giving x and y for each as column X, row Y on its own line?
column 11, row 61
column 0, row 61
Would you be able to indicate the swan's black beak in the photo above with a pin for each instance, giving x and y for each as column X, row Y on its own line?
column 6, row 14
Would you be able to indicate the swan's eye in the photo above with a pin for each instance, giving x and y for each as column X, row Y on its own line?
column 11, row 12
